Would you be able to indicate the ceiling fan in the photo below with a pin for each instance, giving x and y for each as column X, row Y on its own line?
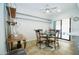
column 48, row 9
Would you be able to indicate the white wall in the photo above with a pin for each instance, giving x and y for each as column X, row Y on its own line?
column 70, row 13
column 74, row 26
column 27, row 25
column 2, row 31
column 27, row 28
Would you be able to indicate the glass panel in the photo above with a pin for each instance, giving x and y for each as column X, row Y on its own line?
column 58, row 26
column 65, row 28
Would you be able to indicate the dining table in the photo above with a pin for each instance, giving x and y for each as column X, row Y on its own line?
column 48, row 36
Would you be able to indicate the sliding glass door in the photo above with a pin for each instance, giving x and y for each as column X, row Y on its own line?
column 64, row 27
column 58, row 27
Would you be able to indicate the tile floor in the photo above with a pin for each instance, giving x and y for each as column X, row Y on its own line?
column 66, row 48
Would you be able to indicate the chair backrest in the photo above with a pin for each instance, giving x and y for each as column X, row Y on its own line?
column 38, row 34
column 57, row 33
column 54, row 32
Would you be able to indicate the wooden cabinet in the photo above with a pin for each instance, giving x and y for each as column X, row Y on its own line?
column 19, row 38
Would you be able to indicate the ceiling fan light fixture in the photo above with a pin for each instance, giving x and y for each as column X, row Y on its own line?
column 58, row 10
column 47, row 11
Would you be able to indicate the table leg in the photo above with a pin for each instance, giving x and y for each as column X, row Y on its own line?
column 24, row 44
column 18, row 44
column 47, row 43
column 11, row 46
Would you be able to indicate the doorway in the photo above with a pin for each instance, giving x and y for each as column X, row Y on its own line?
column 64, row 26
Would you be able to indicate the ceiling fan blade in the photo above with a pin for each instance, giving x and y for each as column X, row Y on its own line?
column 54, row 8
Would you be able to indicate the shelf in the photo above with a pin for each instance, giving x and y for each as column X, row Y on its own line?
column 11, row 22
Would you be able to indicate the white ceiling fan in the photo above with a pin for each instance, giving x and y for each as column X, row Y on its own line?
column 48, row 9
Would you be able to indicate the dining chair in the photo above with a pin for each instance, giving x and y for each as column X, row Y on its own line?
column 41, row 38
column 54, row 37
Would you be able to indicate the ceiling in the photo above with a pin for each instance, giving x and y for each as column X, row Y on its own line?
column 36, row 8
